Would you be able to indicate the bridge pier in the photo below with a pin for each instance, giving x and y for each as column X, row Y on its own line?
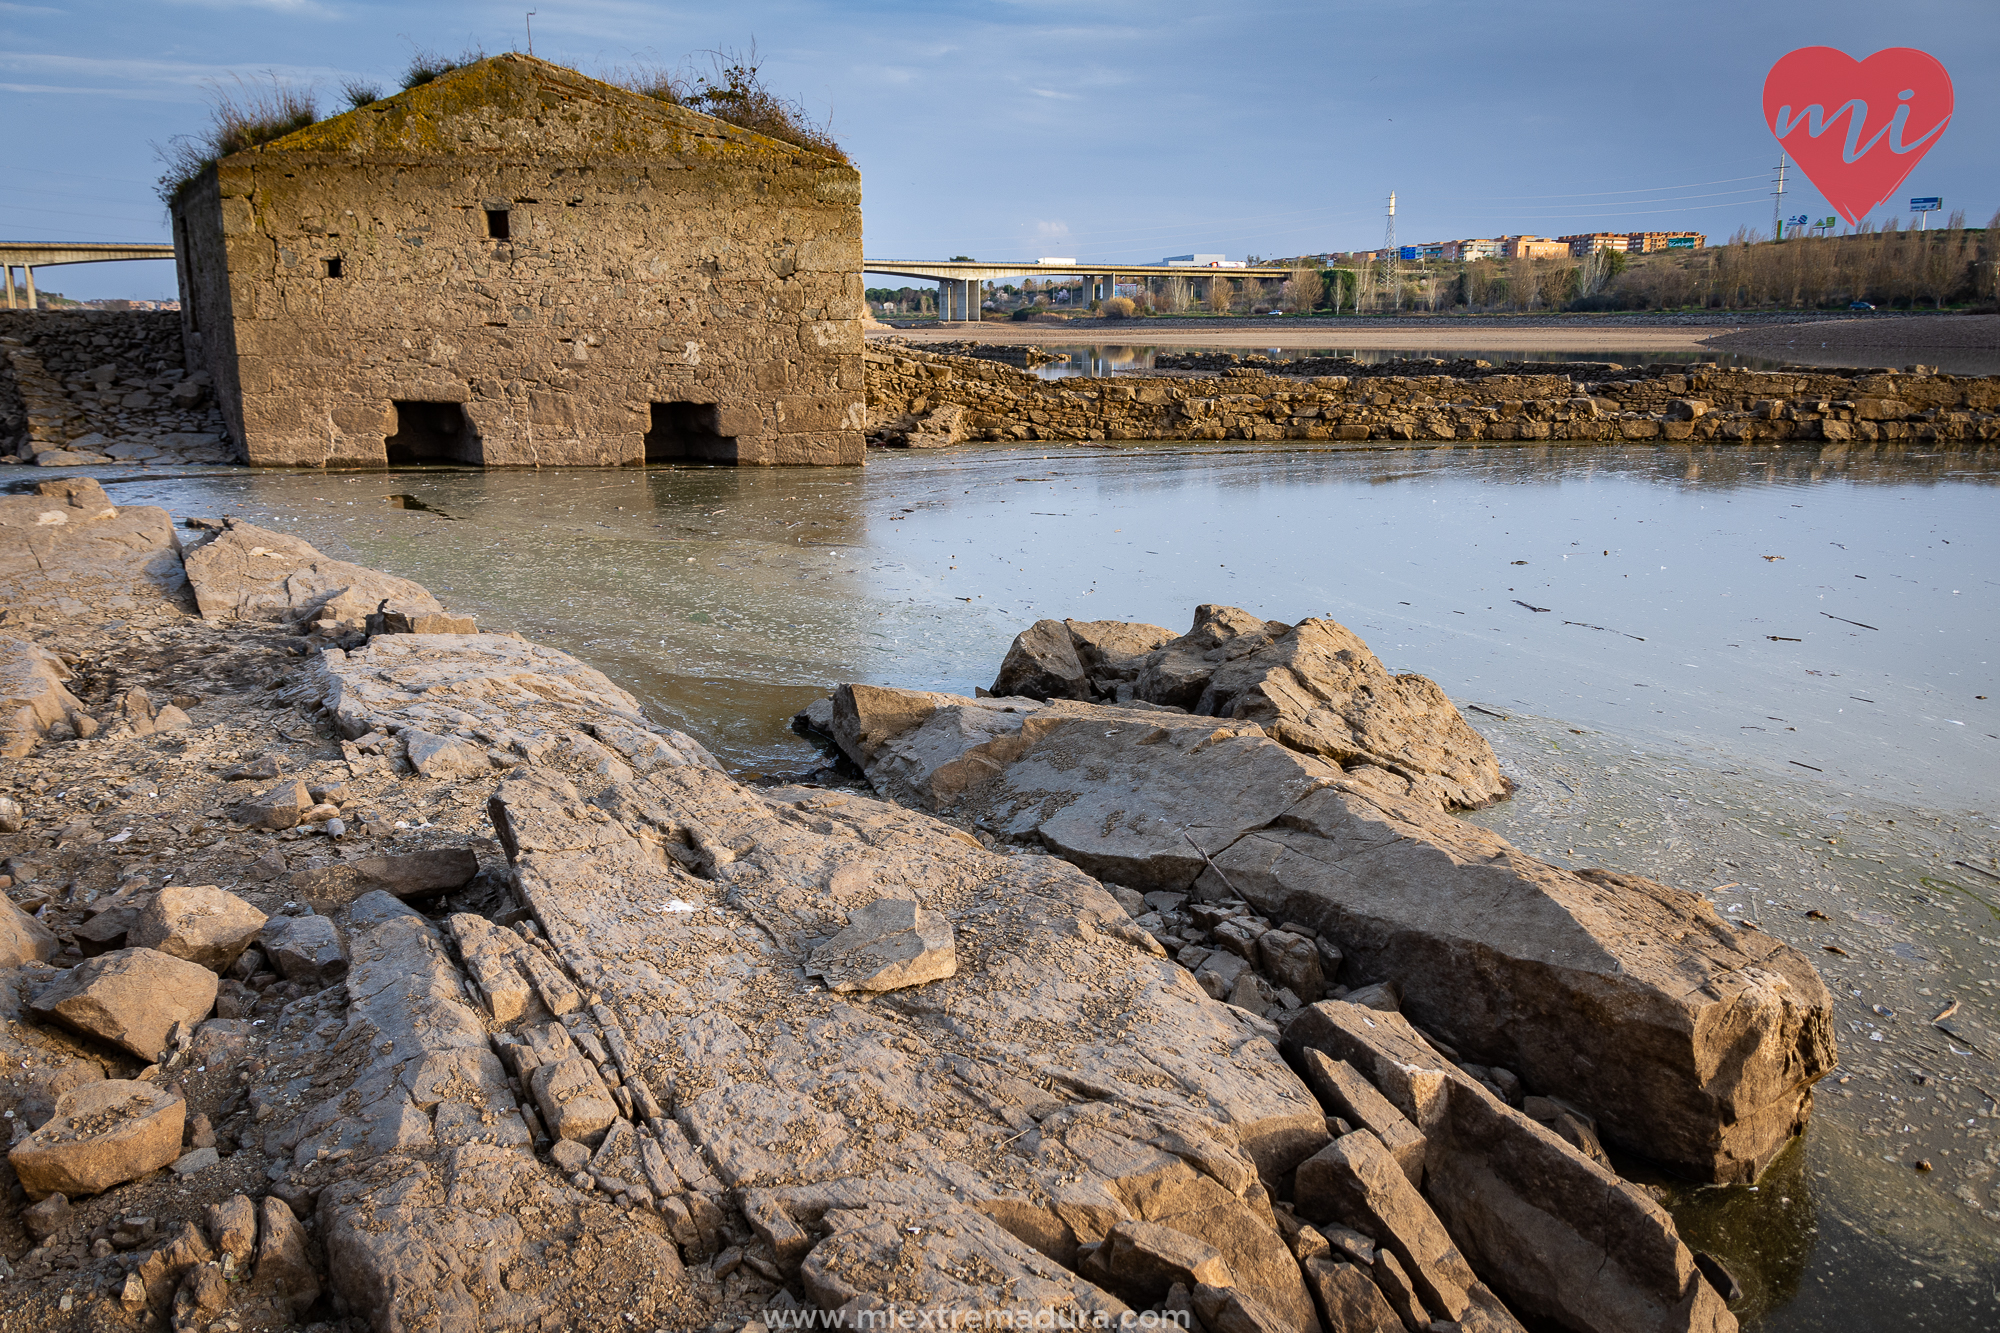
column 28, row 272
column 958, row 300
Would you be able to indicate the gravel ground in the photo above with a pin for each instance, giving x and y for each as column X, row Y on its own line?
column 1957, row 344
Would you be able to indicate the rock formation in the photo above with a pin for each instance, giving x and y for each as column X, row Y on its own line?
column 674, row 1049
column 1689, row 1040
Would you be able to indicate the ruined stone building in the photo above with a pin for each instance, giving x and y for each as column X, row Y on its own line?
column 517, row 265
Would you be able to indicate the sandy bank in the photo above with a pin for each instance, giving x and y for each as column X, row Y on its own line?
column 1357, row 336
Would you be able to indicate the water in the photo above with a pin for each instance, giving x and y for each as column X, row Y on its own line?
column 1759, row 675
column 1098, row 359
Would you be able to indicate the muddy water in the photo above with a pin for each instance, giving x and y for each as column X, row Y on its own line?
column 1753, row 674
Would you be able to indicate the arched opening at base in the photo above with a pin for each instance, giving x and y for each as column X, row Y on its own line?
column 683, row 432
column 433, row 433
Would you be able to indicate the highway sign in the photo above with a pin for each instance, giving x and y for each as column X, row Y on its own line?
column 1926, row 205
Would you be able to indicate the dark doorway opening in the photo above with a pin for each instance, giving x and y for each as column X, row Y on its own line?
column 433, row 433
column 497, row 224
column 333, row 267
column 688, row 431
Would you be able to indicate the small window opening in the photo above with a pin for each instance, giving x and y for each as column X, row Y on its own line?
column 433, row 433
column 333, row 267
column 496, row 224
column 688, row 432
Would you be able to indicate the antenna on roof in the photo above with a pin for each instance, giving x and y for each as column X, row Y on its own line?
column 530, row 21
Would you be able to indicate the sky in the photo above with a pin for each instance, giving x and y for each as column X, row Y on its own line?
column 1119, row 130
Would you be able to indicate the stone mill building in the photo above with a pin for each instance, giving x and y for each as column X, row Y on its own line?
column 517, row 265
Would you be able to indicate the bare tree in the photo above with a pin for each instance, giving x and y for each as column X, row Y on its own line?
column 1302, row 292
column 1176, row 295
column 1219, row 296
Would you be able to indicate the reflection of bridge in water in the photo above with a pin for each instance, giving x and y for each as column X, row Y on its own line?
column 30, row 255
column 958, row 279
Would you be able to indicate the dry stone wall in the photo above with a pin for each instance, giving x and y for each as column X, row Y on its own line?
column 921, row 399
column 97, row 386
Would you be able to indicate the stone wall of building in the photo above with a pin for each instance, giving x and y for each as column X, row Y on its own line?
column 103, row 386
column 922, row 399
column 542, row 269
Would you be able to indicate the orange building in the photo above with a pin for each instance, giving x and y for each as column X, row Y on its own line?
column 1534, row 247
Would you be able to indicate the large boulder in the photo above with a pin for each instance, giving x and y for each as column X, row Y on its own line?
column 305, row 949
column 198, row 922
column 130, row 997
column 1077, row 659
column 253, row 573
column 103, row 1133
column 1317, row 688
column 33, row 697
column 1689, row 1040
column 24, row 939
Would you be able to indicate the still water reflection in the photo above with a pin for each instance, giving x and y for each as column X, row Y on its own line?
column 1761, row 670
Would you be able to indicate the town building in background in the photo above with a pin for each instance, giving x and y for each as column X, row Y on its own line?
column 1645, row 242
column 1596, row 242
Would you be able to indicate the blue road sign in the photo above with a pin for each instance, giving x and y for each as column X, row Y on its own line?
column 1926, row 205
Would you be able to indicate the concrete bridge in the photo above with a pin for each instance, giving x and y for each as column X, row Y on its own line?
column 30, row 255
column 959, row 279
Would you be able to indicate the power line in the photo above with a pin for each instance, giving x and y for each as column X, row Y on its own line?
column 1641, row 189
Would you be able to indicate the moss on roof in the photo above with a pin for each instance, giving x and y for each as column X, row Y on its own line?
column 444, row 117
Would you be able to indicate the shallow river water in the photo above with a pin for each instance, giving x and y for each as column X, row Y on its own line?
column 1755, row 674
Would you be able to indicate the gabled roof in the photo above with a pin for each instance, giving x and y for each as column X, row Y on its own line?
column 516, row 106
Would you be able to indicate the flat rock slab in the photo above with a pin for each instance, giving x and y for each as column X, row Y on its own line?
column 1690, row 1041
column 253, row 573
column 950, row 1259
column 200, row 923
column 887, row 945
column 1561, row 1237
column 67, row 553
column 828, row 1103
column 130, row 998
column 407, row 875
column 102, row 1134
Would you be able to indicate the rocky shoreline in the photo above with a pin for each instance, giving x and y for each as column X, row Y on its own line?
column 923, row 399
column 372, row 972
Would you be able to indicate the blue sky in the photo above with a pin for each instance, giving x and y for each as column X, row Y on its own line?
column 1118, row 130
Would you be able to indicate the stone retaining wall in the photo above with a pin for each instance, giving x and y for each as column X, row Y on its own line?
column 922, row 399
column 104, row 386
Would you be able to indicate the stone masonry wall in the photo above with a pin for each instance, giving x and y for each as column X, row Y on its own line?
column 101, row 385
column 653, row 256
column 921, row 399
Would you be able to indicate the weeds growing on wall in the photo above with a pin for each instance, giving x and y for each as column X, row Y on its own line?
column 360, row 92
column 732, row 90
column 429, row 66
column 254, row 112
